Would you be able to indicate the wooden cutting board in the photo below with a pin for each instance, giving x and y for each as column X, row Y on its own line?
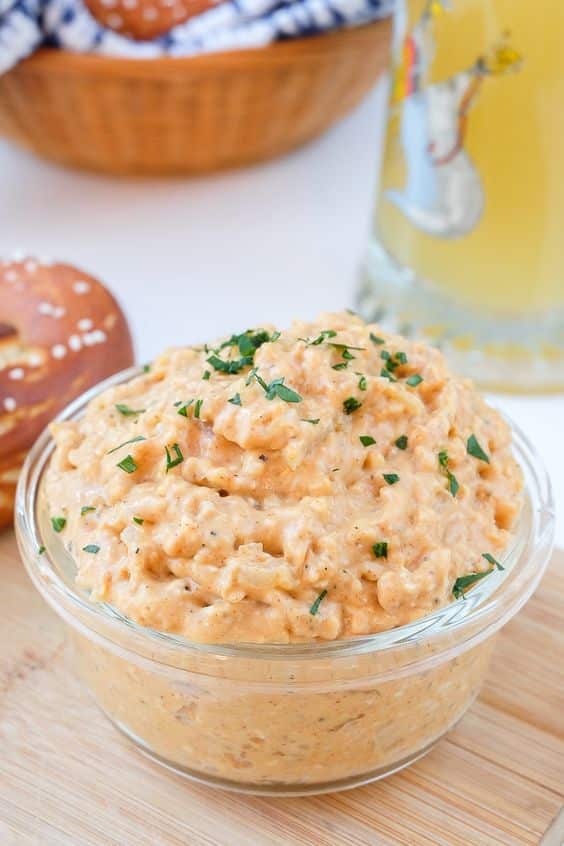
column 68, row 779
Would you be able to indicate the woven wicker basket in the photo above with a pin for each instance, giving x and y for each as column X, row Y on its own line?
column 190, row 115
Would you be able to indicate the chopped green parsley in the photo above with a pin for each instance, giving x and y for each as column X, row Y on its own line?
column 276, row 388
column 366, row 440
column 453, row 485
column 464, row 582
column 323, row 335
column 127, row 464
column 401, row 442
column 183, row 410
column 380, row 549
column 127, row 411
column 233, row 366
column 58, row 523
column 178, row 457
column 315, row 607
column 248, row 343
column 473, row 448
column 351, row 404
column 491, row 560
column 125, row 443
column 414, row 380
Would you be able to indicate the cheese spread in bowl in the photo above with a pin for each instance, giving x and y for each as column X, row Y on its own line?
column 283, row 556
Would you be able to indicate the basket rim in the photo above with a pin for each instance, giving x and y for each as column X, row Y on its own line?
column 55, row 60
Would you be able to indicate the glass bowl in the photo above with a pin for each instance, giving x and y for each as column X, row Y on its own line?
column 289, row 719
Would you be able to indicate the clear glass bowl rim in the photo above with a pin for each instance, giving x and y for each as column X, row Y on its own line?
column 487, row 607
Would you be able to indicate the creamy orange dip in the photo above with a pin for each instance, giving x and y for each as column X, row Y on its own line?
column 328, row 481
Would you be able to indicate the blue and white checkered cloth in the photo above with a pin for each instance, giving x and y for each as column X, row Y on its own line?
column 231, row 25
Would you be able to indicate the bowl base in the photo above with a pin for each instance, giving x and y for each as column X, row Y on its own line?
column 273, row 788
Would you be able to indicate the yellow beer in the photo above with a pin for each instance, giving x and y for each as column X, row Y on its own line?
column 468, row 242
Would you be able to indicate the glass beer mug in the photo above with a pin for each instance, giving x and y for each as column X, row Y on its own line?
column 467, row 248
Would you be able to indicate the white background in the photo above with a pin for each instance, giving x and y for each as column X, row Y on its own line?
column 193, row 259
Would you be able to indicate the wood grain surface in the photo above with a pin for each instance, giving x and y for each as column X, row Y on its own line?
column 68, row 779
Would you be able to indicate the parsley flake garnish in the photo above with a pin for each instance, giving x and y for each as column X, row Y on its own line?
column 414, row 380
column 206, row 375
column 248, row 343
column 127, row 411
column 235, row 400
column 351, row 404
column 453, row 485
column 313, row 420
column 393, row 360
column 362, row 383
column 86, row 508
column 125, row 443
column 233, row 366
column 342, row 365
column 323, row 335
column 315, row 607
column 178, row 457
column 391, row 478
column 343, row 348
column 146, row 368
column 127, row 464
column 58, row 523
column 474, row 448
column 276, row 388
column 92, row 548
column 183, row 410
column 366, row 440
column 376, row 339
column 464, row 582
column 283, row 392
column 254, row 375
column 401, row 442
column 380, row 549
column 246, row 346
column 41, row 550
column 387, row 375
column 493, row 561
column 138, row 520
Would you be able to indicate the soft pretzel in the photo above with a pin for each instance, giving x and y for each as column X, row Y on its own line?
column 145, row 19
column 61, row 331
